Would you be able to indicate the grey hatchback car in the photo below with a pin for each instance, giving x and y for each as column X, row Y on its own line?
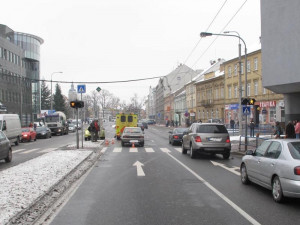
column 211, row 138
column 132, row 135
column 5, row 148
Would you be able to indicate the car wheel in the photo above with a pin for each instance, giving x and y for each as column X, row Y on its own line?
column 172, row 142
column 183, row 150
column 226, row 155
column 277, row 190
column 142, row 144
column 29, row 139
column 192, row 153
column 34, row 139
column 17, row 141
column 9, row 156
column 244, row 174
column 123, row 144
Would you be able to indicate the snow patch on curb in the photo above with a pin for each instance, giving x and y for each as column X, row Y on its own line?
column 25, row 183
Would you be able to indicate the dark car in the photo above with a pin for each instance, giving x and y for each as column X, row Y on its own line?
column 145, row 125
column 5, row 148
column 43, row 132
column 141, row 126
column 151, row 122
column 175, row 136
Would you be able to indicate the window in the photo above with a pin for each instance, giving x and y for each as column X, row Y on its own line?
column 248, row 66
column 229, row 92
column 274, row 150
column 215, row 129
column 123, row 118
column 212, row 114
column 242, row 68
column 235, row 91
column 235, row 69
column 217, row 93
column 255, row 87
column 217, row 114
column 222, row 92
column 255, row 64
column 294, row 148
column 203, row 114
column 264, row 91
column 229, row 71
column 248, row 89
column 243, row 90
column 261, row 150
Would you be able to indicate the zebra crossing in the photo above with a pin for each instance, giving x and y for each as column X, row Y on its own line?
column 37, row 150
column 136, row 150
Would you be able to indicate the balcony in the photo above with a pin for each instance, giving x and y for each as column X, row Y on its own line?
column 206, row 103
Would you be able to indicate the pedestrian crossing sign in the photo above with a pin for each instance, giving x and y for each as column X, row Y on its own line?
column 81, row 88
column 246, row 110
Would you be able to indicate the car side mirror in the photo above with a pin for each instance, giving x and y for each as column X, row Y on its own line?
column 249, row 152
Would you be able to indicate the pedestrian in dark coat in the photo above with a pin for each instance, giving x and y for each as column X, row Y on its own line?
column 290, row 130
column 252, row 126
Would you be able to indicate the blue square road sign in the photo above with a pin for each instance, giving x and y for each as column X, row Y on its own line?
column 81, row 88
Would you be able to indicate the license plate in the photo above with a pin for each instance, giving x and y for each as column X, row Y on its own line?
column 133, row 141
column 215, row 139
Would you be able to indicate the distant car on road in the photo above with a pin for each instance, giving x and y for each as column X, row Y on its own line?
column 72, row 127
column 145, row 124
column 210, row 138
column 151, row 121
column 28, row 134
column 141, row 126
column 133, row 135
column 43, row 132
column 175, row 136
column 5, row 148
column 275, row 165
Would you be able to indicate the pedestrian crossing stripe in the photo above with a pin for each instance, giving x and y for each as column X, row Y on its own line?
column 117, row 150
column 25, row 151
column 133, row 150
column 29, row 151
column 149, row 150
column 178, row 149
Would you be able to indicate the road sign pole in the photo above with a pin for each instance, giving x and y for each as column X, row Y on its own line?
column 81, row 123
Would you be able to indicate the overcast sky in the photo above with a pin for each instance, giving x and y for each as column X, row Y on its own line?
column 108, row 40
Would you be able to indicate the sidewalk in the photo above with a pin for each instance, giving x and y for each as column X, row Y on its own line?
column 22, row 186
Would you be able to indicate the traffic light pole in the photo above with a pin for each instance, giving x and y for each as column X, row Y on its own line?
column 246, row 95
column 77, row 136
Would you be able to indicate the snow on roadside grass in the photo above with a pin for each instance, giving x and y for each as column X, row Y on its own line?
column 22, row 185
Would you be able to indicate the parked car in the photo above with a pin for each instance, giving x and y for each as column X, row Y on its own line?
column 28, row 134
column 275, row 165
column 151, row 121
column 43, row 132
column 141, row 126
column 72, row 127
column 175, row 136
column 87, row 134
column 5, row 148
column 145, row 124
column 10, row 124
column 210, row 138
column 132, row 135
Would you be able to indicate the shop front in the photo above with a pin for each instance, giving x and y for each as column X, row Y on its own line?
column 231, row 113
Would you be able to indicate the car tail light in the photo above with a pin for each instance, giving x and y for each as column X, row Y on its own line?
column 228, row 139
column 125, row 136
column 198, row 139
column 176, row 137
column 297, row 170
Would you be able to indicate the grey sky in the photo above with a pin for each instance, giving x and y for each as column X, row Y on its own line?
column 97, row 40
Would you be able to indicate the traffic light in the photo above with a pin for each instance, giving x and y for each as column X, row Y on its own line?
column 252, row 101
column 77, row 104
column 245, row 101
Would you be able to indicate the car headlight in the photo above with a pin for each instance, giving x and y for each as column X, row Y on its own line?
column 25, row 135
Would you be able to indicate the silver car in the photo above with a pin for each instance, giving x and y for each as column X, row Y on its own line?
column 211, row 138
column 5, row 148
column 132, row 135
column 275, row 165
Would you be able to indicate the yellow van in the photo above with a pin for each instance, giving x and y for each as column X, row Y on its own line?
column 125, row 120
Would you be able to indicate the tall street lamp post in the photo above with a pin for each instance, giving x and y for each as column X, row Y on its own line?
column 205, row 34
column 51, row 102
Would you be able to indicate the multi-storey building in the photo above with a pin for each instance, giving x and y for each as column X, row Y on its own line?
column 210, row 94
column 20, row 73
column 268, row 105
column 180, row 109
column 151, row 104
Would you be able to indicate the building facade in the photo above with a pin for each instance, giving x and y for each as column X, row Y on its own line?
column 20, row 73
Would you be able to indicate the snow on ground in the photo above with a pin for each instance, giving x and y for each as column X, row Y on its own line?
column 22, row 185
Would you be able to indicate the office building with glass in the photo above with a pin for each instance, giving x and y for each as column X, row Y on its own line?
column 20, row 74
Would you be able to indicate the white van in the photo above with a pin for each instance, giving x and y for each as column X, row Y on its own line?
column 10, row 124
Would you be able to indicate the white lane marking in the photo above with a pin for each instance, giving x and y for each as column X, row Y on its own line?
column 104, row 149
column 165, row 150
column 152, row 140
column 149, row 150
column 139, row 169
column 232, row 170
column 19, row 150
column 133, row 150
column 232, row 204
column 117, row 149
column 47, row 150
column 178, row 149
column 29, row 151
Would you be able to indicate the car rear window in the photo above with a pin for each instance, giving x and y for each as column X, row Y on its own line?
column 294, row 148
column 180, row 130
column 133, row 130
column 211, row 129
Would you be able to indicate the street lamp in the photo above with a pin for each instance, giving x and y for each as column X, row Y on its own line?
column 51, row 102
column 205, row 34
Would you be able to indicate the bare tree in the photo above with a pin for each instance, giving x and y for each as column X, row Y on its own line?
column 105, row 99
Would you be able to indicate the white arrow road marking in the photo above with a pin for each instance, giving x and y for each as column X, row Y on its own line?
column 217, row 192
column 165, row 150
column 139, row 169
column 232, row 170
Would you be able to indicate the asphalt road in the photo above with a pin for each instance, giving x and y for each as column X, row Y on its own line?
column 169, row 188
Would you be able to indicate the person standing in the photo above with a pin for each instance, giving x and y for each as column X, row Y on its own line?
column 252, row 126
column 232, row 124
column 297, row 129
column 278, row 130
column 290, row 130
column 96, row 130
